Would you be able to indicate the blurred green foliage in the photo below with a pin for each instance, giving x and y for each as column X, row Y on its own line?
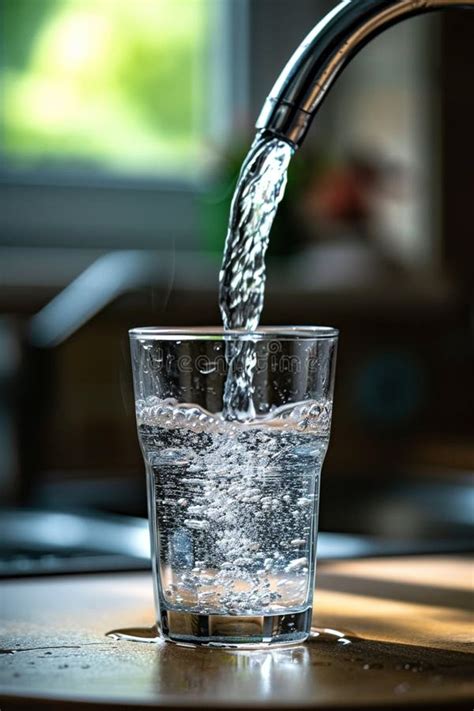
column 114, row 83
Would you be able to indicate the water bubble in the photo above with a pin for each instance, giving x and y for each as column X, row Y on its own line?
column 206, row 595
column 298, row 542
column 196, row 509
column 242, row 561
column 175, row 456
column 296, row 564
column 196, row 524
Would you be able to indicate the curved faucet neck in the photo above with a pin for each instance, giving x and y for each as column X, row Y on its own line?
column 328, row 48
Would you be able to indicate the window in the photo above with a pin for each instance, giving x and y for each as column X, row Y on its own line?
column 110, row 115
column 108, row 85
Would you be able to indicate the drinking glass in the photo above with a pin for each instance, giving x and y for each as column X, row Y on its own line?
column 233, row 500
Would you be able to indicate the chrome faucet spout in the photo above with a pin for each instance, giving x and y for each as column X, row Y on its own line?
column 304, row 82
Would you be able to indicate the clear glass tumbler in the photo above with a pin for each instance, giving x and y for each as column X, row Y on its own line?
column 233, row 503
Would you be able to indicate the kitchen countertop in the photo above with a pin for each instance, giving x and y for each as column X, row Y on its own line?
column 407, row 623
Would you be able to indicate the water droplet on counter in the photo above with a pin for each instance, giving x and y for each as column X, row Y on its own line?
column 372, row 665
column 326, row 635
column 136, row 634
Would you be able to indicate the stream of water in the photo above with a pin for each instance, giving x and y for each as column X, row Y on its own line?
column 259, row 190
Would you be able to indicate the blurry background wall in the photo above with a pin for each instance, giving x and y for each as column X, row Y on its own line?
column 122, row 127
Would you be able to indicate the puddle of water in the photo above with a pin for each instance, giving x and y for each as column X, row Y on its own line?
column 152, row 635
column 136, row 634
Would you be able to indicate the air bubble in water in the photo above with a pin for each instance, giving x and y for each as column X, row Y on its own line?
column 297, row 542
column 296, row 564
column 198, row 525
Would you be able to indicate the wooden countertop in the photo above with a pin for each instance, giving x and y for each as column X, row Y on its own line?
column 409, row 619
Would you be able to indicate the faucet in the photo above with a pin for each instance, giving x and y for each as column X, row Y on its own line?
column 305, row 81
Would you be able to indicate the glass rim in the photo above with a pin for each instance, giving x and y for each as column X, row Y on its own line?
column 262, row 333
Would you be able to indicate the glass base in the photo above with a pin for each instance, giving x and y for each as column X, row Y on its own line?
column 235, row 631
column 152, row 635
